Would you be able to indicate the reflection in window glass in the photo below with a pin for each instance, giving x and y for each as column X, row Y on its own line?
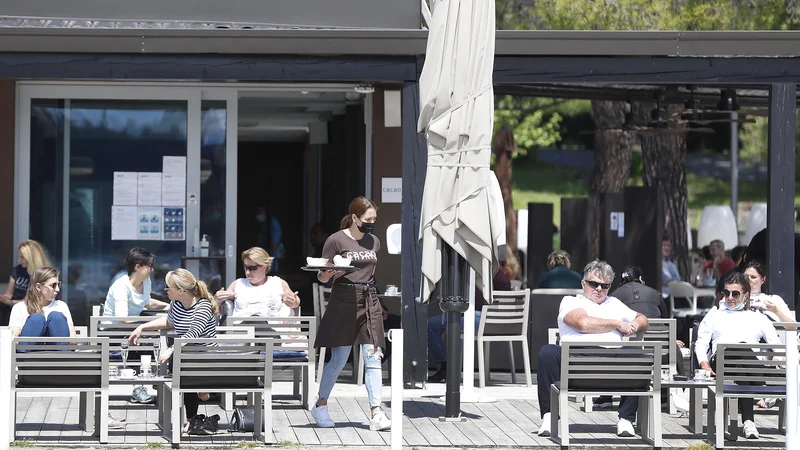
column 104, row 137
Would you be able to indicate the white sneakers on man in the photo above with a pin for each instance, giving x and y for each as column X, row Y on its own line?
column 625, row 428
column 380, row 422
column 749, row 430
column 544, row 429
column 322, row 417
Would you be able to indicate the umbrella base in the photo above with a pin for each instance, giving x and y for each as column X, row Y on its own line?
column 452, row 419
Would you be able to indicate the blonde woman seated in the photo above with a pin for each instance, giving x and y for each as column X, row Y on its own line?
column 40, row 314
column 30, row 256
column 258, row 294
column 733, row 323
column 192, row 314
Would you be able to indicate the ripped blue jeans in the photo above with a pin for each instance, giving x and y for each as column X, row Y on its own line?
column 372, row 367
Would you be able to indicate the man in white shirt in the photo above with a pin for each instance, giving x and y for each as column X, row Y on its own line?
column 591, row 316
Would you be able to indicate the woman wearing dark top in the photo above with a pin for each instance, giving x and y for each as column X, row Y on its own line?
column 353, row 313
column 31, row 256
column 640, row 297
column 193, row 314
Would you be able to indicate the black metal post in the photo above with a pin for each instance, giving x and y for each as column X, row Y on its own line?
column 453, row 302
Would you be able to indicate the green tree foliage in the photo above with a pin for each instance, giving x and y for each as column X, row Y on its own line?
column 683, row 15
column 527, row 117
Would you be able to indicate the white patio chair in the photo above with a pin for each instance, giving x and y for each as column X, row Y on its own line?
column 505, row 320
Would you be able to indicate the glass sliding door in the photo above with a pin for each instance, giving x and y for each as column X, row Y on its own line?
column 104, row 175
column 105, row 168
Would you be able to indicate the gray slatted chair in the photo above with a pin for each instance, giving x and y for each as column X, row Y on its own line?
column 663, row 330
column 47, row 365
column 117, row 330
column 295, row 334
column 735, row 363
column 243, row 365
column 505, row 320
column 631, row 369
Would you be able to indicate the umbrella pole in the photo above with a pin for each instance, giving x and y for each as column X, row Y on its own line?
column 454, row 303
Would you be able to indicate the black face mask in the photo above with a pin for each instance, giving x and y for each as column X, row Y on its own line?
column 366, row 227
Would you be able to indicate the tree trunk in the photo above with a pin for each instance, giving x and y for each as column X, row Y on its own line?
column 504, row 147
column 664, row 166
column 612, row 160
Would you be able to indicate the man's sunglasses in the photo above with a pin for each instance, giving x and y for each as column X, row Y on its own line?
column 726, row 293
column 251, row 268
column 596, row 284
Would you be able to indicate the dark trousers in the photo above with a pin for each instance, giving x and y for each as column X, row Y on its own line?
column 191, row 402
column 745, row 404
column 550, row 372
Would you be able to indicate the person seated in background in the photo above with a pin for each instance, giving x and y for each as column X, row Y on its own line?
column 30, row 255
column 509, row 263
column 590, row 316
column 720, row 264
column 669, row 271
column 257, row 294
column 559, row 275
column 737, row 254
column 438, row 324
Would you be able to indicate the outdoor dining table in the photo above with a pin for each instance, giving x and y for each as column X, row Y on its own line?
column 695, row 399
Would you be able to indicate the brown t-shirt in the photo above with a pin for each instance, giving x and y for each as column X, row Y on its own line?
column 364, row 255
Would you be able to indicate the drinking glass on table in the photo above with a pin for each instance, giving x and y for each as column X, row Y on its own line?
column 123, row 350
column 156, row 353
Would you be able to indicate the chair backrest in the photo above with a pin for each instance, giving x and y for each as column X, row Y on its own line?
column 680, row 289
column 321, row 295
column 516, row 285
column 664, row 331
column 296, row 333
column 629, row 366
column 235, row 331
column 738, row 362
column 239, row 364
column 553, row 337
column 65, row 363
column 117, row 330
column 507, row 315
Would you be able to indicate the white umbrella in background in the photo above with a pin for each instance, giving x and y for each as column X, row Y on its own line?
column 457, row 112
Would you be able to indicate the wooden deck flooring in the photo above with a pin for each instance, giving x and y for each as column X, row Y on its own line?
column 510, row 422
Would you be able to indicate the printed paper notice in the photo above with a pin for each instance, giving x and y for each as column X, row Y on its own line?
column 149, row 187
column 125, row 188
column 123, row 223
column 149, row 223
column 621, row 229
column 173, row 181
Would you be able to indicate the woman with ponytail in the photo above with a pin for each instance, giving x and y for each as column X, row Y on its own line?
column 354, row 314
column 192, row 314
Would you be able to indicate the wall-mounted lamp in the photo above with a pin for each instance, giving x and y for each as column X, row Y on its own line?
column 727, row 100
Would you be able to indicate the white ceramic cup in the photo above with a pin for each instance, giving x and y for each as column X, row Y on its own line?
column 127, row 373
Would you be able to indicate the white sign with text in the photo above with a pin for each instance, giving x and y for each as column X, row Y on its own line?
column 391, row 190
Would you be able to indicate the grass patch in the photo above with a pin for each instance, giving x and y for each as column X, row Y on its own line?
column 249, row 444
column 154, row 445
column 700, row 446
column 289, row 444
column 23, row 443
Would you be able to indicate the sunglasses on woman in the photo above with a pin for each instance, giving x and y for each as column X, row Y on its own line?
column 55, row 285
column 595, row 284
column 735, row 294
column 251, row 268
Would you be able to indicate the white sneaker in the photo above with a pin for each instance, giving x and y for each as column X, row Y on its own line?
column 380, row 422
column 544, row 429
column 322, row 417
column 625, row 428
column 749, row 430
column 114, row 424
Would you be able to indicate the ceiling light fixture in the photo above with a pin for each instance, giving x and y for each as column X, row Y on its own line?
column 364, row 88
column 727, row 100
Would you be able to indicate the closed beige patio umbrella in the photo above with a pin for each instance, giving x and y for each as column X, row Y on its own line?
column 457, row 111
column 459, row 222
